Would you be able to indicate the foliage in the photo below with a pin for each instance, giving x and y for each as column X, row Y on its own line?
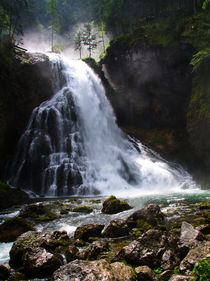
column 89, row 38
column 202, row 270
column 205, row 3
column 201, row 60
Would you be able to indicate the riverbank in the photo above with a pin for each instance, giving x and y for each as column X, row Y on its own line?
column 63, row 232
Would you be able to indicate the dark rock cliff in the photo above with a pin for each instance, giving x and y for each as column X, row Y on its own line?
column 151, row 97
column 24, row 84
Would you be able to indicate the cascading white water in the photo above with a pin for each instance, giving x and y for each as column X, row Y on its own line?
column 72, row 145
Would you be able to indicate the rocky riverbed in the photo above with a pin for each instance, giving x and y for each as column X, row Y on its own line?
column 98, row 239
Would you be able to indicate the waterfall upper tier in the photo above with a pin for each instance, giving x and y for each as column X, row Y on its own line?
column 73, row 146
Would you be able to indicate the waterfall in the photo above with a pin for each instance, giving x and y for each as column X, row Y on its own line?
column 73, row 146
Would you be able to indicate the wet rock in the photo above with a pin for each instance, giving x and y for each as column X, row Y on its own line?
column 92, row 251
column 112, row 205
column 144, row 273
column 14, row 227
column 181, row 278
column 71, row 253
column 116, row 228
column 33, row 239
column 39, row 212
column 93, row 271
column 169, row 260
column 4, row 272
column 39, row 263
column 11, row 196
column 195, row 255
column 148, row 249
column 189, row 235
column 88, row 230
column 83, row 209
column 151, row 214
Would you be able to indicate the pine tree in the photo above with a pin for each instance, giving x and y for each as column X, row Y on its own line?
column 78, row 40
column 89, row 38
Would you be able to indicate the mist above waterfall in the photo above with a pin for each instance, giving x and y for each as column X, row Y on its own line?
column 73, row 146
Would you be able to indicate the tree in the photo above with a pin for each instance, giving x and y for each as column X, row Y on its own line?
column 54, row 21
column 89, row 38
column 78, row 40
column 10, row 12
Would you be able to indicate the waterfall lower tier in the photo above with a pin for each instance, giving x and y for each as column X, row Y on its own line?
column 72, row 145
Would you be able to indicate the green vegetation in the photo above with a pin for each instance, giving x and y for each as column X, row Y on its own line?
column 83, row 209
column 202, row 270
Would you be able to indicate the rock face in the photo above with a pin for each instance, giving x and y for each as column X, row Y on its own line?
column 152, row 84
column 4, row 272
column 23, row 86
column 93, row 271
column 88, row 230
column 112, row 205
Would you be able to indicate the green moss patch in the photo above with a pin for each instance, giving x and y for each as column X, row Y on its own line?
column 83, row 209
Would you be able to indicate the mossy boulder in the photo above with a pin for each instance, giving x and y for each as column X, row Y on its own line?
column 14, row 227
column 11, row 196
column 83, row 209
column 146, row 217
column 84, row 232
column 50, row 241
column 116, row 228
column 39, row 212
column 112, row 205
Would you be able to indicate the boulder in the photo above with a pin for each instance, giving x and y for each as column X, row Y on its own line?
column 11, row 196
column 195, row 255
column 89, row 230
column 93, row 271
column 165, row 275
column 39, row 263
column 71, row 253
column 112, row 205
column 116, row 228
column 4, row 272
column 92, row 251
column 39, row 212
column 189, row 235
column 144, row 273
column 148, row 249
column 33, row 239
column 14, row 227
column 150, row 214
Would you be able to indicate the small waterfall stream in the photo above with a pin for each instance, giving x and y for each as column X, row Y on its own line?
column 73, row 146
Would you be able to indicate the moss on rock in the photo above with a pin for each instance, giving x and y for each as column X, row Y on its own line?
column 83, row 209
column 112, row 205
